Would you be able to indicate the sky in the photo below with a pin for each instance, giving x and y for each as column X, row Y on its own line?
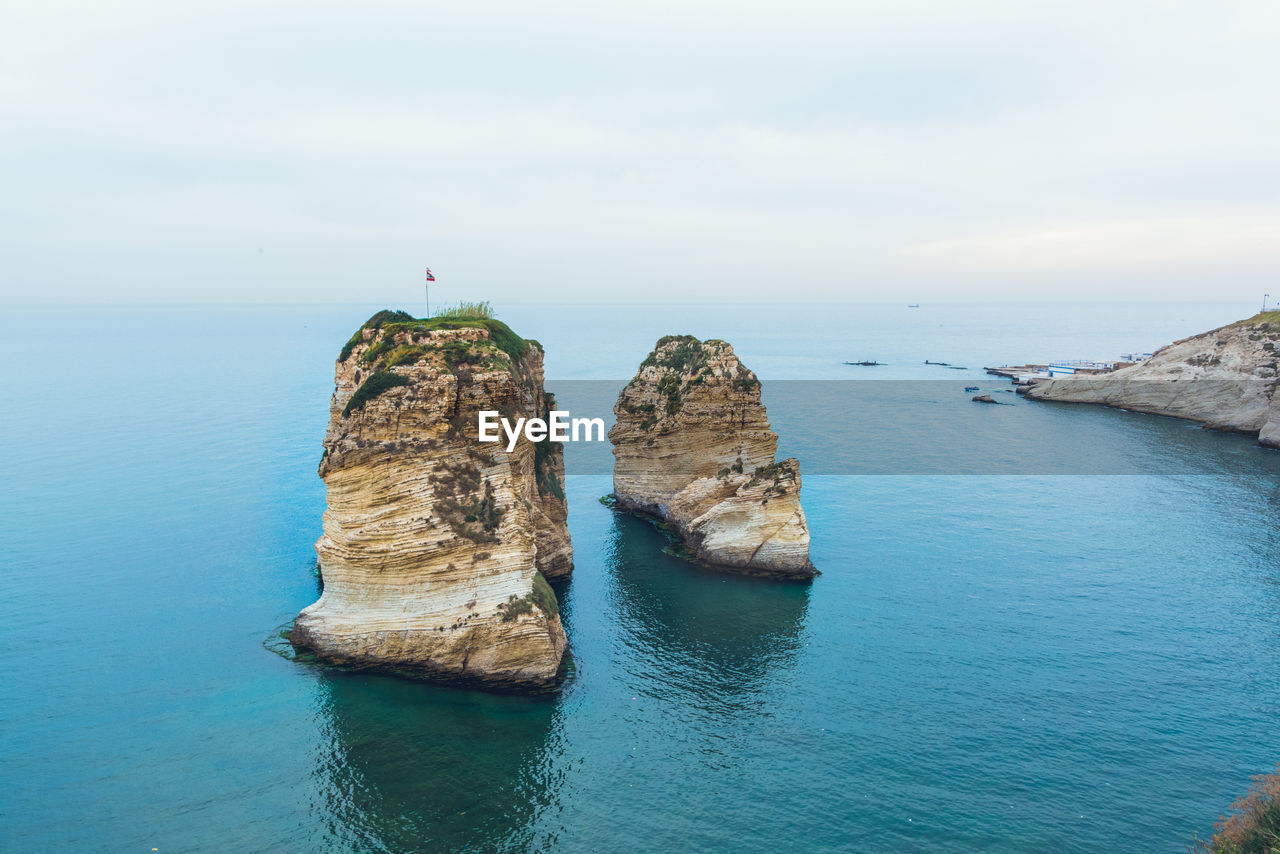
column 639, row 152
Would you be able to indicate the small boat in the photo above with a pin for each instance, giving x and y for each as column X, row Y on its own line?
column 914, row 305
column 971, row 388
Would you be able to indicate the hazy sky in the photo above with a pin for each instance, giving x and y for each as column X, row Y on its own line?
column 904, row 150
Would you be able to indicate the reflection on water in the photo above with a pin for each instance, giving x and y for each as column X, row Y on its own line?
column 712, row 640
column 410, row 767
column 403, row 766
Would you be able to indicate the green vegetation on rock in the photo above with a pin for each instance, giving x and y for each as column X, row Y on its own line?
column 543, row 470
column 375, row 385
column 386, row 353
column 515, row 606
column 669, row 387
column 375, row 322
column 688, row 356
column 1262, row 318
column 636, row 408
column 463, row 316
column 542, row 597
column 772, row 472
column 685, row 359
column 469, row 506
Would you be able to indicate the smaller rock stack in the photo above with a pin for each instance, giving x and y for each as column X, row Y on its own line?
column 693, row 448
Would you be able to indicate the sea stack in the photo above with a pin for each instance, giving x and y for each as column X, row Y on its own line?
column 693, row 449
column 1224, row 379
column 437, row 548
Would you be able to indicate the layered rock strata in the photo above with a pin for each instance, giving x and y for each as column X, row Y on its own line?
column 437, row 547
column 693, row 448
column 1224, row 379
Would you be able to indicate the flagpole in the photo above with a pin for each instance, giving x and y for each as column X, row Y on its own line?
column 429, row 277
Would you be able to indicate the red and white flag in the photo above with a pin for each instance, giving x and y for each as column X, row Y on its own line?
column 430, row 277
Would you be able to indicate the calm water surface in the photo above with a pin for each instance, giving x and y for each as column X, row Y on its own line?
column 997, row 662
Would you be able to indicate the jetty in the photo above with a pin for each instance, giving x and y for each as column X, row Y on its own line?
column 1020, row 374
column 1024, row 374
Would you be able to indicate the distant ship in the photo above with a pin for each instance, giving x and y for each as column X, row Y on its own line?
column 914, row 305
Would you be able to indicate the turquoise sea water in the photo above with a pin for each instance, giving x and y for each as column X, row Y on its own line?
column 999, row 662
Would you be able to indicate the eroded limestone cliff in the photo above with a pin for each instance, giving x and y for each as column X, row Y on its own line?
column 693, row 448
column 1224, row 378
column 437, row 547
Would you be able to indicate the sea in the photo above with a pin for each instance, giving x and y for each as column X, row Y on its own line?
column 1038, row 627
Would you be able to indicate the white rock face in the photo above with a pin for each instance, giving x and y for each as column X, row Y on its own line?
column 749, row 522
column 1269, row 435
column 693, row 447
column 1224, row 379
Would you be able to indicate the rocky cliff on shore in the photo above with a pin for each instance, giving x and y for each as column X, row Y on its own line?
column 693, row 449
column 436, row 547
column 1224, row 378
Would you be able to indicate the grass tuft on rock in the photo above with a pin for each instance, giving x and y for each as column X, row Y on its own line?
column 1253, row 827
column 482, row 309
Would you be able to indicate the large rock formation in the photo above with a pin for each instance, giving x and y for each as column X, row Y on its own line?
column 436, row 547
column 693, row 448
column 1224, row 378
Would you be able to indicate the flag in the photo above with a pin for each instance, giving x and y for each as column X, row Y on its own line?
column 430, row 277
